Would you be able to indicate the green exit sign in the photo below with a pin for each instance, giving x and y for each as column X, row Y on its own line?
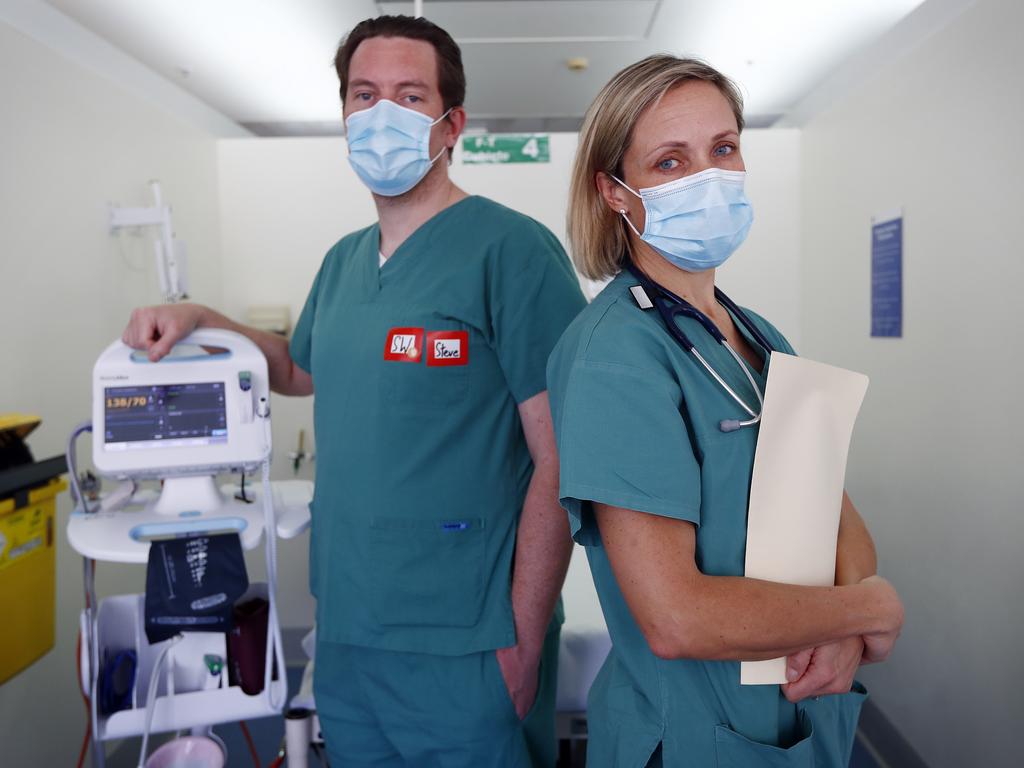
column 506, row 148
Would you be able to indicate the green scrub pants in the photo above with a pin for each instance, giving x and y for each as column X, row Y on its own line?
column 384, row 709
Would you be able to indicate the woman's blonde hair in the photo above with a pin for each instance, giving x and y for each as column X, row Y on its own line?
column 596, row 234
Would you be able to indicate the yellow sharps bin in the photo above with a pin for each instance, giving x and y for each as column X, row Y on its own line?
column 28, row 506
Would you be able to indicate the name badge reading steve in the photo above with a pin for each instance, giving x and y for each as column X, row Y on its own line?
column 447, row 348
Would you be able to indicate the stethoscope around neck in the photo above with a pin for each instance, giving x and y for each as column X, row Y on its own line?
column 649, row 294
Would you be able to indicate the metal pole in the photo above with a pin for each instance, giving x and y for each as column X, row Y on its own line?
column 417, row 8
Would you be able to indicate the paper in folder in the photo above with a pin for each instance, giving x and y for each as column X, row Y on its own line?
column 796, row 489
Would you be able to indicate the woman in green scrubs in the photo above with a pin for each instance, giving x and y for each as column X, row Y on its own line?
column 656, row 490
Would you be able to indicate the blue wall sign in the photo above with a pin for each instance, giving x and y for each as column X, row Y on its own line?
column 887, row 278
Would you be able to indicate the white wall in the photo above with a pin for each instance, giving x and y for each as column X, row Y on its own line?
column 935, row 463
column 71, row 141
column 284, row 202
column 764, row 274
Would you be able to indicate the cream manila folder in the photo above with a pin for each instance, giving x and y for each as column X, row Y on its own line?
column 796, row 490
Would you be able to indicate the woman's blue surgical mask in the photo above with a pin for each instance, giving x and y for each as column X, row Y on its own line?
column 389, row 146
column 695, row 222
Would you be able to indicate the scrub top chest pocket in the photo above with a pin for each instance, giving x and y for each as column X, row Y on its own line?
column 426, row 363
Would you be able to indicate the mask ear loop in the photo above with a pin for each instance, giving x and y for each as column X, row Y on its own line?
column 442, row 117
column 625, row 217
column 622, row 211
column 443, row 149
column 438, row 155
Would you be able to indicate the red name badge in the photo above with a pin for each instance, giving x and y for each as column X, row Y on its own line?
column 447, row 347
column 404, row 345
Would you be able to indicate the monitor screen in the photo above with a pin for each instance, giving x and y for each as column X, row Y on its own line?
column 168, row 415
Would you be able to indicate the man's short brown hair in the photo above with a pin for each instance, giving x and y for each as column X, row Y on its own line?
column 451, row 78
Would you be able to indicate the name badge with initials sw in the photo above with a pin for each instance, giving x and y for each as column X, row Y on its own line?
column 404, row 345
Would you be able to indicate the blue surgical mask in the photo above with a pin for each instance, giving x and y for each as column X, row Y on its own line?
column 389, row 147
column 695, row 222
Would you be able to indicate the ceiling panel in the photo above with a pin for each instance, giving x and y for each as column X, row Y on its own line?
column 269, row 63
column 476, row 21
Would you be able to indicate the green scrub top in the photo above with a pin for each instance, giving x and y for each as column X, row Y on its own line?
column 422, row 466
column 637, row 423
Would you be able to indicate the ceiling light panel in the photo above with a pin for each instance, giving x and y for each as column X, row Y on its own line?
column 520, row 21
column 253, row 61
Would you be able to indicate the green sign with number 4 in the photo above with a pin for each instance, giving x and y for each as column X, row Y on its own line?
column 505, row 148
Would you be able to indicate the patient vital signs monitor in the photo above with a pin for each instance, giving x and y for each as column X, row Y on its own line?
column 195, row 412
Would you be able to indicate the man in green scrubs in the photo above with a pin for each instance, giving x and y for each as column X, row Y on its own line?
column 637, row 421
column 438, row 546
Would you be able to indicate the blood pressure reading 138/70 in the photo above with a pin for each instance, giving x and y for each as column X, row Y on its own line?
column 170, row 415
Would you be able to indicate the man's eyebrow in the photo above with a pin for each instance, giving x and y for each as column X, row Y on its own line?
column 363, row 82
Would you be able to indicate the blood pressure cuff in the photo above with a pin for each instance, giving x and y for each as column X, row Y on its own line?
column 192, row 584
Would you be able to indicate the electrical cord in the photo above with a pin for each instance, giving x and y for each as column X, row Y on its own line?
column 241, row 489
column 275, row 648
column 250, row 743
column 214, row 737
column 88, row 567
column 70, row 458
column 321, row 755
column 85, row 699
column 89, row 589
column 154, row 678
column 118, row 497
column 124, row 255
column 278, row 760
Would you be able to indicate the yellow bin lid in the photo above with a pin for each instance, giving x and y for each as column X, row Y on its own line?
column 21, row 424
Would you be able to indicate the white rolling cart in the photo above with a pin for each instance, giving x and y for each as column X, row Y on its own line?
column 201, row 412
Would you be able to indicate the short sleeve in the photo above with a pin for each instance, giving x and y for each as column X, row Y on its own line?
column 535, row 295
column 301, row 346
column 622, row 442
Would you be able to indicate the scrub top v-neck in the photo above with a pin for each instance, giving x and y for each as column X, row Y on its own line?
column 422, row 467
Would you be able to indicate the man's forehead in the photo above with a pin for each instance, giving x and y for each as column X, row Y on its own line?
column 394, row 61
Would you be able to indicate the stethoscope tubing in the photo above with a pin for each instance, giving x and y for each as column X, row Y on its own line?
column 661, row 300
column 744, row 318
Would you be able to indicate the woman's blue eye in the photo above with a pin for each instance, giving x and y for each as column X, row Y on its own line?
column 414, row 99
column 668, row 164
column 725, row 149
